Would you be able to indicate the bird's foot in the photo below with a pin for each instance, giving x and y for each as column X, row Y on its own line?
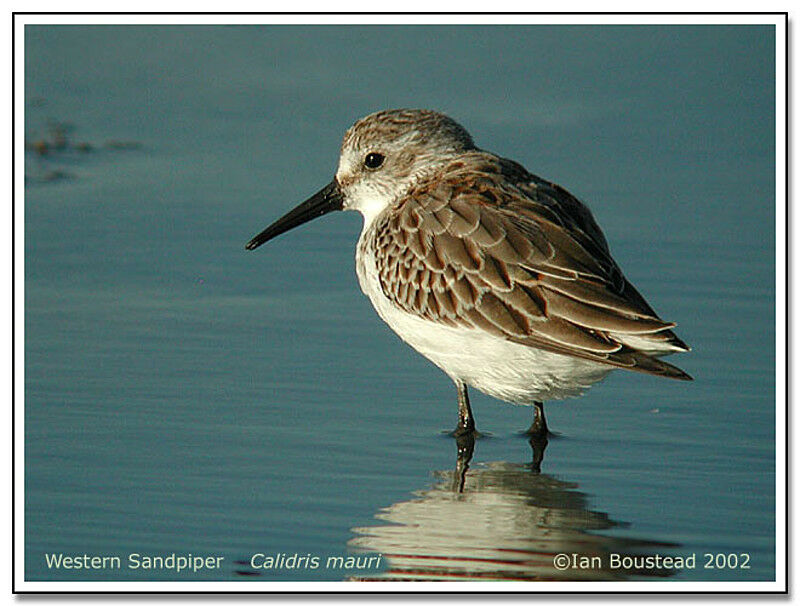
column 535, row 432
column 460, row 432
column 464, row 428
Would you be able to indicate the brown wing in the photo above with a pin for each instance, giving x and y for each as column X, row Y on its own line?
column 489, row 246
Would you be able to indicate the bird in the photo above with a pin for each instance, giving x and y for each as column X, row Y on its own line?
column 502, row 279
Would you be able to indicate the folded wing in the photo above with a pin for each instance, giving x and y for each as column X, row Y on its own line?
column 489, row 246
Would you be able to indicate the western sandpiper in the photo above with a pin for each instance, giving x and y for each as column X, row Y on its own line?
column 500, row 278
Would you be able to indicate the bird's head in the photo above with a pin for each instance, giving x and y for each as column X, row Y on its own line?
column 382, row 156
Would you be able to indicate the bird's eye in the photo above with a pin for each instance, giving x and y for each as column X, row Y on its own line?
column 374, row 160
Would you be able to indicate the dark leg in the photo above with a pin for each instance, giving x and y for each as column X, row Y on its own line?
column 466, row 422
column 539, row 426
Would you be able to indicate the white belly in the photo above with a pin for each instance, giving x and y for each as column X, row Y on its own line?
column 497, row 367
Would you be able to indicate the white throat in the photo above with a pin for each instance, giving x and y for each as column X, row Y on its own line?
column 369, row 201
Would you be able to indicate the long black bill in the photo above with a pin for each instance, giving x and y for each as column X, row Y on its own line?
column 328, row 199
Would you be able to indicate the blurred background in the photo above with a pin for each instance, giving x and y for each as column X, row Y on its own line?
column 184, row 395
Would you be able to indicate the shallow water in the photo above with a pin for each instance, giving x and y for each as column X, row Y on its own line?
column 184, row 395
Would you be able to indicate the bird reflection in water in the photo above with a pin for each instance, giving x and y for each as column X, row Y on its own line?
column 499, row 521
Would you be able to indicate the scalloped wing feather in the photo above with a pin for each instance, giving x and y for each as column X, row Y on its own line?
column 487, row 245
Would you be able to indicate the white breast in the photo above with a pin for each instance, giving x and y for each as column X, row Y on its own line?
column 495, row 366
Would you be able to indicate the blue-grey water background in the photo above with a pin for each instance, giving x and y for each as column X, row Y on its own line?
column 184, row 395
